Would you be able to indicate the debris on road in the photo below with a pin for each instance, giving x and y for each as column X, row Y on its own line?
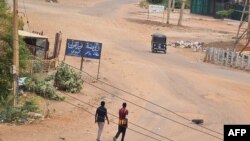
column 198, row 121
column 62, row 138
column 52, row 1
column 196, row 46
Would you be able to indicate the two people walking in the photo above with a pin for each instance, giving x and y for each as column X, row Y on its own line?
column 101, row 115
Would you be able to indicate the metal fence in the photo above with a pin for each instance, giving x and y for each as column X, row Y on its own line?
column 41, row 66
column 228, row 58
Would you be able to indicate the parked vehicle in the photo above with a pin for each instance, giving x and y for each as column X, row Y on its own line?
column 158, row 43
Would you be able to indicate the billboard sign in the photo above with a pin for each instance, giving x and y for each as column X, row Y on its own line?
column 92, row 50
column 156, row 9
column 84, row 49
column 74, row 48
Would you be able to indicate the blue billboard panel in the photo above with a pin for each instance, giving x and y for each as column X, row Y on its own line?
column 74, row 48
column 92, row 50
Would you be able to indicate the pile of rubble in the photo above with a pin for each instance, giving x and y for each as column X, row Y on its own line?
column 52, row 1
column 187, row 44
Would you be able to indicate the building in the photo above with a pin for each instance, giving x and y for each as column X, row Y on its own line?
column 210, row 7
column 37, row 44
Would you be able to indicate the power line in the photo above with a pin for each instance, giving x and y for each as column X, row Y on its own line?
column 129, row 93
column 114, row 122
column 153, row 111
column 118, row 117
column 157, row 105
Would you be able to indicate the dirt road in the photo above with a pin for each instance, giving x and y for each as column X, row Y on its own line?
column 176, row 80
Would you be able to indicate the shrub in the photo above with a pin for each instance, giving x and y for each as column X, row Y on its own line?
column 37, row 66
column 67, row 79
column 155, row 1
column 43, row 88
column 158, row 2
column 224, row 13
column 178, row 4
column 143, row 4
column 30, row 106
column 18, row 115
column 6, row 51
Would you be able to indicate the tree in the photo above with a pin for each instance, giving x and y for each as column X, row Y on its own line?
column 6, row 51
column 181, row 12
column 155, row 1
column 169, row 10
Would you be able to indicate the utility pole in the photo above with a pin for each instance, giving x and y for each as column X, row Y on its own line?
column 240, row 35
column 248, row 31
column 15, row 50
column 169, row 10
column 243, row 34
column 173, row 5
column 181, row 12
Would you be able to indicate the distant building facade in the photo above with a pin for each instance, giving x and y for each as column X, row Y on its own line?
column 210, row 7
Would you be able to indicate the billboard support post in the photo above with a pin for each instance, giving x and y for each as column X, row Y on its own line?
column 81, row 64
column 99, row 66
column 156, row 9
column 84, row 49
column 98, row 69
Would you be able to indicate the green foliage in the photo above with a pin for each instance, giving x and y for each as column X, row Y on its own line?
column 143, row 4
column 30, row 84
column 67, row 79
column 160, row 2
column 155, row 1
column 18, row 115
column 43, row 88
column 30, row 106
column 50, row 78
column 5, row 48
column 37, row 66
column 224, row 13
column 188, row 4
column 178, row 3
column 24, row 56
column 6, row 51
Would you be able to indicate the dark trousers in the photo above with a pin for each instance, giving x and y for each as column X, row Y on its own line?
column 121, row 129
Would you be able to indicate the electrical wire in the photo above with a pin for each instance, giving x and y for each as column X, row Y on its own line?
column 133, row 94
column 150, row 110
column 129, row 93
column 118, row 117
column 114, row 122
column 157, row 106
column 165, row 117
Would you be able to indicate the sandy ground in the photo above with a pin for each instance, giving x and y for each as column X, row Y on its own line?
column 179, row 80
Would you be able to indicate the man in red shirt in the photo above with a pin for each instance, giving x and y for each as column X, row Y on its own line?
column 123, row 122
